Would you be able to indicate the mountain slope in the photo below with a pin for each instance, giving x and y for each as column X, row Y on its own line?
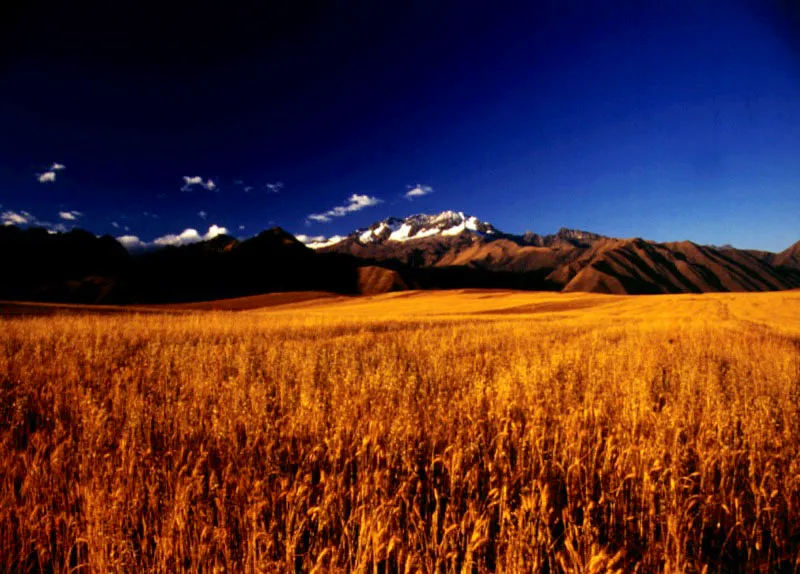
column 571, row 260
column 373, row 280
column 272, row 261
column 74, row 266
column 450, row 250
column 638, row 266
column 453, row 239
column 789, row 258
column 77, row 267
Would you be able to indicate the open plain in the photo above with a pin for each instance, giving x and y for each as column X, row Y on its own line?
column 457, row 431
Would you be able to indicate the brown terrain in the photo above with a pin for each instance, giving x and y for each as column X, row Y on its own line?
column 788, row 258
column 77, row 267
column 374, row 280
column 573, row 260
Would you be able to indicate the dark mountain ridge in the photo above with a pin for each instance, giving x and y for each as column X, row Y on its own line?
column 445, row 251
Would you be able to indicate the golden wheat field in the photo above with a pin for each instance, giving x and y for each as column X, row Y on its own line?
column 461, row 431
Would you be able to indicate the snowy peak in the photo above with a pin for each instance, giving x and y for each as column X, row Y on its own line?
column 446, row 224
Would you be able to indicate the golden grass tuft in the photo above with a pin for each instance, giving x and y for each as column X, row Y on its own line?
column 472, row 432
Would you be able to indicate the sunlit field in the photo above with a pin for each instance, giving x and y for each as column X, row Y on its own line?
column 412, row 432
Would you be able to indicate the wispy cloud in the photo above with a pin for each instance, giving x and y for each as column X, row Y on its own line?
column 69, row 215
column 418, row 191
column 202, row 214
column 115, row 225
column 270, row 186
column 354, row 203
column 16, row 218
column 188, row 236
column 190, row 182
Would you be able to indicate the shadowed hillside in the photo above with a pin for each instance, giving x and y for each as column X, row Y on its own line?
column 448, row 251
column 789, row 258
column 74, row 266
column 638, row 266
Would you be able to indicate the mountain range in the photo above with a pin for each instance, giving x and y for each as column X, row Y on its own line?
column 570, row 260
column 442, row 251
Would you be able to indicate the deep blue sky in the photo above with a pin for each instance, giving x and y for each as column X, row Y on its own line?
column 667, row 120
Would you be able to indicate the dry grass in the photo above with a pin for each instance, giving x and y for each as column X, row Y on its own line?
column 406, row 433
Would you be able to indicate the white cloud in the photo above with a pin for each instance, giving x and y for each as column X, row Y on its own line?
column 418, row 191
column 319, row 241
column 309, row 238
column 131, row 242
column 49, row 176
column 196, row 180
column 69, row 215
column 215, row 230
column 202, row 214
column 183, row 238
column 25, row 218
column 16, row 218
column 190, row 181
column 274, row 187
column 115, row 225
column 354, row 203
column 188, row 236
column 319, row 217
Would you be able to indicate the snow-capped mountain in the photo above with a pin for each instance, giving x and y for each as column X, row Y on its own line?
column 455, row 239
column 420, row 226
column 444, row 226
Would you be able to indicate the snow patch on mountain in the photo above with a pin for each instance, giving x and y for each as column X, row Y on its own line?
column 320, row 241
column 447, row 223
column 402, row 233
